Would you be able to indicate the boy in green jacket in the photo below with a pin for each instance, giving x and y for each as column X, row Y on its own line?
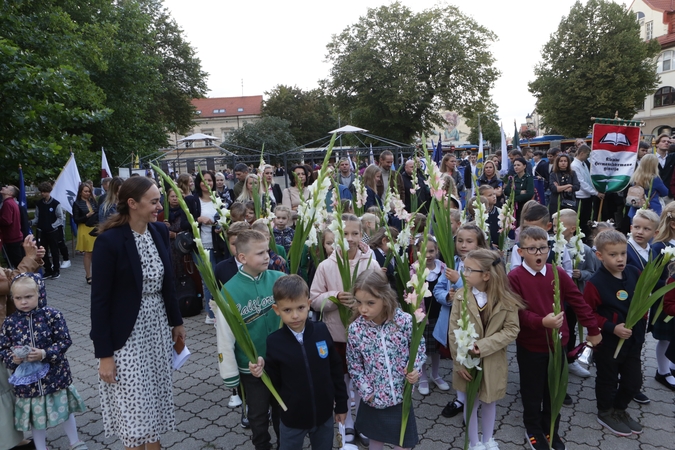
column 251, row 290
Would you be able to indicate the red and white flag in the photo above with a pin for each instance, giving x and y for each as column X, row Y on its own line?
column 105, row 168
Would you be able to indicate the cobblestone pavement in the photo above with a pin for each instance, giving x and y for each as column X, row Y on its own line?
column 205, row 422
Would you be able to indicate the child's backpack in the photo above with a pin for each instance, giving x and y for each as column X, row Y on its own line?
column 636, row 196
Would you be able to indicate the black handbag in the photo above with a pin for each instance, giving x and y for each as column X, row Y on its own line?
column 189, row 302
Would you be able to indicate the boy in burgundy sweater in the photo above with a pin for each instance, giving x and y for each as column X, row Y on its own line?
column 609, row 293
column 533, row 281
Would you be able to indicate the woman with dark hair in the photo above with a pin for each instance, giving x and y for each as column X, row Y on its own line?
column 133, row 310
column 85, row 215
column 204, row 212
column 299, row 181
column 522, row 183
column 563, row 183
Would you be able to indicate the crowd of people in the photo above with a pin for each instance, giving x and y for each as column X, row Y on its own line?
column 138, row 246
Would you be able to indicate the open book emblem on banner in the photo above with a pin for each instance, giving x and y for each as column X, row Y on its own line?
column 615, row 139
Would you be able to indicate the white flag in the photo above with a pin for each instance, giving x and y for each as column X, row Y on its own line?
column 505, row 155
column 65, row 188
column 105, row 168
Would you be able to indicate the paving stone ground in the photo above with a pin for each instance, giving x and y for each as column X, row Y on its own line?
column 205, row 422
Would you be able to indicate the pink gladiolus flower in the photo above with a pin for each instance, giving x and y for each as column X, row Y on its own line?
column 411, row 298
column 419, row 315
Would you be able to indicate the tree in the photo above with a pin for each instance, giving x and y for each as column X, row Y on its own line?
column 309, row 113
column 78, row 76
column 394, row 70
column 594, row 65
column 487, row 113
column 272, row 132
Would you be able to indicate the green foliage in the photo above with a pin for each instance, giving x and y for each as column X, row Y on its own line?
column 78, row 76
column 594, row 65
column 309, row 113
column 394, row 70
column 272, row 132
column 488, row 122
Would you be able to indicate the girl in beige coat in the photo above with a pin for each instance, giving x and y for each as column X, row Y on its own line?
column 493, row 310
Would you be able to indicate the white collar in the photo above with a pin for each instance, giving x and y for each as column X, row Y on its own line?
column 299, row 336
column 481, row 297
column 532, row 271
column 643, row 252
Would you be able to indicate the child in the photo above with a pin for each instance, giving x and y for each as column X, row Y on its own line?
column 643, row 229
column 380, row 337
column 328, row 283
column 379, row 243
column 469, row 237
column 664, row 332
column 432, row 308
column 455, row 221
column 52, row 399
column 250, row 212
column 50, row 218
column 251, row 289
column 225, row 270
column 488, row 192
column 369, row 222
column 493, row 310
column 585, row 270
column 327, row 240
column 533, row 281
column 609, row 293
column 278, row 255
column 237, row 212
column 534, row 214
column 283, row 234
column 308, row 376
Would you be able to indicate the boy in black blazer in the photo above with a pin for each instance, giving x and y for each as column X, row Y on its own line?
column 305, row 369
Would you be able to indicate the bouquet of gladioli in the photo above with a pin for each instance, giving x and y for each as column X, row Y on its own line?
column 466, row 337
column 418, row 288
column 557, row 356
column 440, row 210
column 361, row 196
column 222, row 297
column 311, row 212
column 481, row 217
column 643, row 297
column 222, row 212
column 507, row 220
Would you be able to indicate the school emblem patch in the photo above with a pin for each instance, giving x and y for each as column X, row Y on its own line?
column 323, row 349
column 622, row 295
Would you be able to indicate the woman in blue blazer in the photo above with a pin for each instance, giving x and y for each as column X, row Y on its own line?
column 135, row 317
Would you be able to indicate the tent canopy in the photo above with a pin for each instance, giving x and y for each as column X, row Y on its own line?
column 349, row 129
column 199, row 137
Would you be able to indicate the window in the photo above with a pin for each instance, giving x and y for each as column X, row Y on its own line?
column 664, row 97
column 240, row 109
column 640, row 18
column 665, row 61
column 649, row 30
column 198, row 112
column 218, row 111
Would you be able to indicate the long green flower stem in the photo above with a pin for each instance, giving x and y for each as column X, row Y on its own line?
column 222, row 297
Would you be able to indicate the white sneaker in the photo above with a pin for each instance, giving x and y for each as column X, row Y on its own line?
column 579, row 371
column 479, row 446
column 491, row 445
column 65, row 264
column 210, row 320
column 235, row 401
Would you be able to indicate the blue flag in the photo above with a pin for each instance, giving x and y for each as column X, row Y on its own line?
column 23, row 203
column 437, row 156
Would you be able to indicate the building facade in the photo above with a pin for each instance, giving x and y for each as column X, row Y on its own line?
column 657, row 21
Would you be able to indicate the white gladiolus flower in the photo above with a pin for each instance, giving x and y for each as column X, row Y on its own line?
column 668, row 253
column 312, row 238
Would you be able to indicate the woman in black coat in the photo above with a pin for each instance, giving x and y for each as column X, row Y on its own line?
column 85, row 215
column 564, row 184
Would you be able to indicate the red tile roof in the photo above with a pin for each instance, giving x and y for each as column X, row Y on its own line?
column 228, row 106
column 660, row 5
column 667, row 40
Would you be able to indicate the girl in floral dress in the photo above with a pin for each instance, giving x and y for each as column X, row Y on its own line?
column 43, row 400
column 378, row 347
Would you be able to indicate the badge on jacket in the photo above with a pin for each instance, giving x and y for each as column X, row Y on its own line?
column 323, row 349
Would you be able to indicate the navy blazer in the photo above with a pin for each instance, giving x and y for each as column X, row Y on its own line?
column 118, row 286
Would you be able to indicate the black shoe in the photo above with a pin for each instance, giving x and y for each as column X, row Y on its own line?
column 27, row 446
column 56, row 275
column 244, row 419
column 662, row 379
column 47, row 275
column 452, row 409
column 641, row 398
column 568, row 400
column 557, row 443
column 536, row 441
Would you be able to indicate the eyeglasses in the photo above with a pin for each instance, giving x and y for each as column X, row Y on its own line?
column 469, row 270
column 535, row 250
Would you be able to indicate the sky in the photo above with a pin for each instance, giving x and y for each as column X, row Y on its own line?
column 267, row 43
